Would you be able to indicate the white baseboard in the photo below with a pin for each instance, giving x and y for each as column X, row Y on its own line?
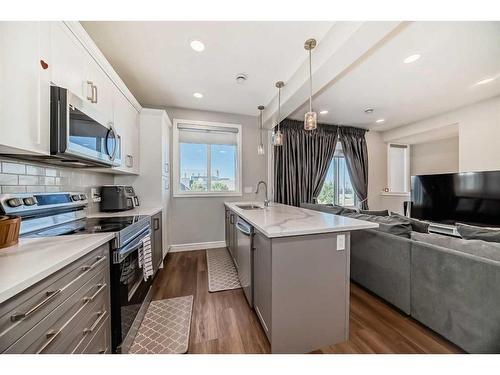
column 196, row 246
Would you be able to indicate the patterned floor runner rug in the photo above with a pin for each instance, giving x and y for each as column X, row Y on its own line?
column 222, row 274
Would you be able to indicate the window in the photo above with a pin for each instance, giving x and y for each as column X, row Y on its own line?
column 207, row 158
column 337, row 188
column 398, row 168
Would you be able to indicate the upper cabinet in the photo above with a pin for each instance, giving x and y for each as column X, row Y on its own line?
column 24, row 87
column 34, row 55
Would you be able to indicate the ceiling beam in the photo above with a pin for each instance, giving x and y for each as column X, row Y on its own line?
column 346, row 45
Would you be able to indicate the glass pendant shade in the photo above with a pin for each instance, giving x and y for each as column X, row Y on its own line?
column 310, row 121
column 260, row 149
column 278, row 138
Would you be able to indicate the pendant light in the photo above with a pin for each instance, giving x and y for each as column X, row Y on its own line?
column 310, row 118
column 278, row 135
column 260, row 149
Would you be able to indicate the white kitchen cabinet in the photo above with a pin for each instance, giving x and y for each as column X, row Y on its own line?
column 69, row 61
column 102, row 88
column 24, row 87
column 126, row 122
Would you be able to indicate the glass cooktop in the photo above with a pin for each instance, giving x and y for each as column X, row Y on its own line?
column 89, row 225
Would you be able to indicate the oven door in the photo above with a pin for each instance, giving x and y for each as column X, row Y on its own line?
column 78, row 131
column 129, row 295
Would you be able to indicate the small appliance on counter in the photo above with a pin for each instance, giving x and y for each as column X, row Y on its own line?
column 9, row 230
column 118, row 198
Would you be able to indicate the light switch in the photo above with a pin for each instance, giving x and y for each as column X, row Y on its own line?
column 341, row 242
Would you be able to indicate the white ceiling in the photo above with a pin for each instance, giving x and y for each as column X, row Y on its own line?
column 455, row 55
column 156, row 63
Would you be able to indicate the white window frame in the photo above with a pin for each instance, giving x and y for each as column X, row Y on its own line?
column 406, row 171
column 176, row 167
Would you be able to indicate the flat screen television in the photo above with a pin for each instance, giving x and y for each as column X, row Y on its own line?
column 469, row 197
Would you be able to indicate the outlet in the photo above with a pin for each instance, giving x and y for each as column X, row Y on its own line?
column 248, row 190
column 341, row 242
column 95, row 196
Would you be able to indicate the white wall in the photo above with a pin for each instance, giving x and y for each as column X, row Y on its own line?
column 435, row 157
column 195, row 220
column 478, row 131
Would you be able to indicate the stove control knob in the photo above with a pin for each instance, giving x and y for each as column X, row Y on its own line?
column 75, row 197
column 83, row 197
column 15, row 202
column 30, row 201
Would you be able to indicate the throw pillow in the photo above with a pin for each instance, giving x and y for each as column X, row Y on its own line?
column 416, row 225
column 375, row 213
column 470, row 232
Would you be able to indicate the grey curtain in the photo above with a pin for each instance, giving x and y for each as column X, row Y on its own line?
column 356, row 154
column 301, row 164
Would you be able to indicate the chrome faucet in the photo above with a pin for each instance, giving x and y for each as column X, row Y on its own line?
column 266, row 201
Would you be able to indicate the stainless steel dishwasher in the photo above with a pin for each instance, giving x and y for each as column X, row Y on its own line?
column 244, row 255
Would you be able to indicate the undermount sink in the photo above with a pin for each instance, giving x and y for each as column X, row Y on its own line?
column 249, row 207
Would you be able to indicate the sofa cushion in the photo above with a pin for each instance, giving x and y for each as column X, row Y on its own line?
column 470, row 232
column 483, row 249
column 328, row 208
column 416, row 225
column 375, row 213
column 386, row 224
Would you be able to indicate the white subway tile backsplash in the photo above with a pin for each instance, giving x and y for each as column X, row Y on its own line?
column 47, row 181
column 52, row 189
column 13, row 168
column 17, row 176
column 28, row 180
column 13, row 189
column 8, row 179
column 51, row 172
column 34, row 170
column 35, row 189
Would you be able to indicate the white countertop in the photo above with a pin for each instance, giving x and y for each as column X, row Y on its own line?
column 148, row 211
column 33, row 259
column 279, row 220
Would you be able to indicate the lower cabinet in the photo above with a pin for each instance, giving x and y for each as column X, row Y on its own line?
column 262, row 280
column 63, row 313
column 232, row 246
column 157, row 241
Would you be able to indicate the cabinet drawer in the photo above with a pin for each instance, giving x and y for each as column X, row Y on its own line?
column 100, row 342
column 58, row 327
column 23, row 312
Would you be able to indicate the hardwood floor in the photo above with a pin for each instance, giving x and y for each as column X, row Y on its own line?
column 224, row 323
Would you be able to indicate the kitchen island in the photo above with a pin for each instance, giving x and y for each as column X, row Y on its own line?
column 300, row 272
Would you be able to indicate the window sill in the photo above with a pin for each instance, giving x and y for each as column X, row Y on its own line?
column 206, row 195
column 394, row 194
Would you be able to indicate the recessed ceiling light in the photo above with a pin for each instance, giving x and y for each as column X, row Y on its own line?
column 380, row 120
column 485, row 81
column 197, row 45
column 198, row 95
column 324, row 112
column 411, row 58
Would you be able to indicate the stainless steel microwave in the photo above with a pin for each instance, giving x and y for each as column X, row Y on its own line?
column 79, row 134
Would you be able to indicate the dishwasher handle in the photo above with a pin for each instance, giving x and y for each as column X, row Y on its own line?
column 243, row 227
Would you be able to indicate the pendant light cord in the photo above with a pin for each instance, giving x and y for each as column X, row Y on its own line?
column 279, row 107
column 261, row 126
column 310, row 82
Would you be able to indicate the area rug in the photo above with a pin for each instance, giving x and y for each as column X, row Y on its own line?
column 222, row 274
column 165, row 327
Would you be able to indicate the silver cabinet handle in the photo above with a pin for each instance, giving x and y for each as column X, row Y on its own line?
column 51, row 336
column 94, row 94
column 100, row 259
column 100, row 316
column 156, row 222
column 100, row 288
column 90, row 85
column 50, row 296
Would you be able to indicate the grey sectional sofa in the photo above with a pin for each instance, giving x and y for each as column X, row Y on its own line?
column 450, row 285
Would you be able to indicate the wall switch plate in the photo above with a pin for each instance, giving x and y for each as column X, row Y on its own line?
column 248, row 190
column 341, row 242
